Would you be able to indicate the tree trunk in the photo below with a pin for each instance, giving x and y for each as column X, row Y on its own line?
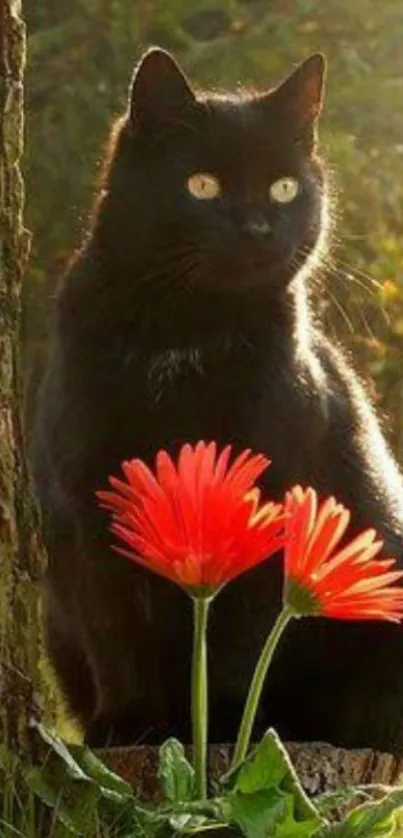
column 20, row 551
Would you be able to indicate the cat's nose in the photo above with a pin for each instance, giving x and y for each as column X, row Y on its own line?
column 259, row 227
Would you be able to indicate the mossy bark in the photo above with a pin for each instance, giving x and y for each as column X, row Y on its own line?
column 20, row 550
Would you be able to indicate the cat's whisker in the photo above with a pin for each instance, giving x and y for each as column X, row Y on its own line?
column 169, row 277
column 339, row 269
column 341, row 310
column 335, row 263
column 329, row 269
column 345, row 280
column 350, row 275
column 167, row 270
column 366, row 276
column 356, row 308
column 320, row 270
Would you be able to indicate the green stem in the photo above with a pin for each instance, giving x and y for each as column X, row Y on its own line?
column 199, row 695
column 256, row 687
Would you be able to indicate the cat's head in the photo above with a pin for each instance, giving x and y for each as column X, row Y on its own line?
column 218, row 192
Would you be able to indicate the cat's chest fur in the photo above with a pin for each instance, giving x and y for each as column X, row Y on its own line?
column 251, row 396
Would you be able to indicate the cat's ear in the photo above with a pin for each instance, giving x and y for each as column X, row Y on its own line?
column 301, row 94
column 159, row 90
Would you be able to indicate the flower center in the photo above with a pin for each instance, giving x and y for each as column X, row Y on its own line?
column 300, row 598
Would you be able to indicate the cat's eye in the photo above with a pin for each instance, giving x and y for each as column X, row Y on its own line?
column 204, row 186
column 284, row 190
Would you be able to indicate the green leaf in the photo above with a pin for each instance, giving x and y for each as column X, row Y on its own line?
column 75, row 808
column 258, row 814
column 341, row 798
column 62, row 751
column 292, row 828
column 175, row 772
column 98, row 771
column 151, row 823
column 265, row 767
column 267, row 814
column 80, row 789
column 189, row 824
column 266, row 799
column 269, row 766
column 371, row 820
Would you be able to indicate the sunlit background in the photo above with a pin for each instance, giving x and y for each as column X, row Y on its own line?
column 81, row 54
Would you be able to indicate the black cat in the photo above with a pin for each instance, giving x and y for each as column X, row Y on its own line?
column 186, row 316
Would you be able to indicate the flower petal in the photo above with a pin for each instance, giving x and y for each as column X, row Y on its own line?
column 193, row 521
column 349, row 584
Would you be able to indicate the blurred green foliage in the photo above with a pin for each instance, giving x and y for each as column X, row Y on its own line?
column 80, row 59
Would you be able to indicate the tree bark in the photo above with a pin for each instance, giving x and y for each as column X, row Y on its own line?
column 20, row 550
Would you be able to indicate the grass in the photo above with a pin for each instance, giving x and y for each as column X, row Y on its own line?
column 24, row 815
column 21, row 813
column 18, row 808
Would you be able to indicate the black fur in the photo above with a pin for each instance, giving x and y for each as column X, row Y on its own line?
column 178, row 321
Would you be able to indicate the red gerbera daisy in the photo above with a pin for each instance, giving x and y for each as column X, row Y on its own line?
column 200, row 522
column 349, row 583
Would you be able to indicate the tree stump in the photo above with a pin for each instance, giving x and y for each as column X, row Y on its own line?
column 320, row 767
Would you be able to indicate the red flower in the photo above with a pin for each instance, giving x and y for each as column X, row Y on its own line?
column 349, row 584
column 199, row 523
